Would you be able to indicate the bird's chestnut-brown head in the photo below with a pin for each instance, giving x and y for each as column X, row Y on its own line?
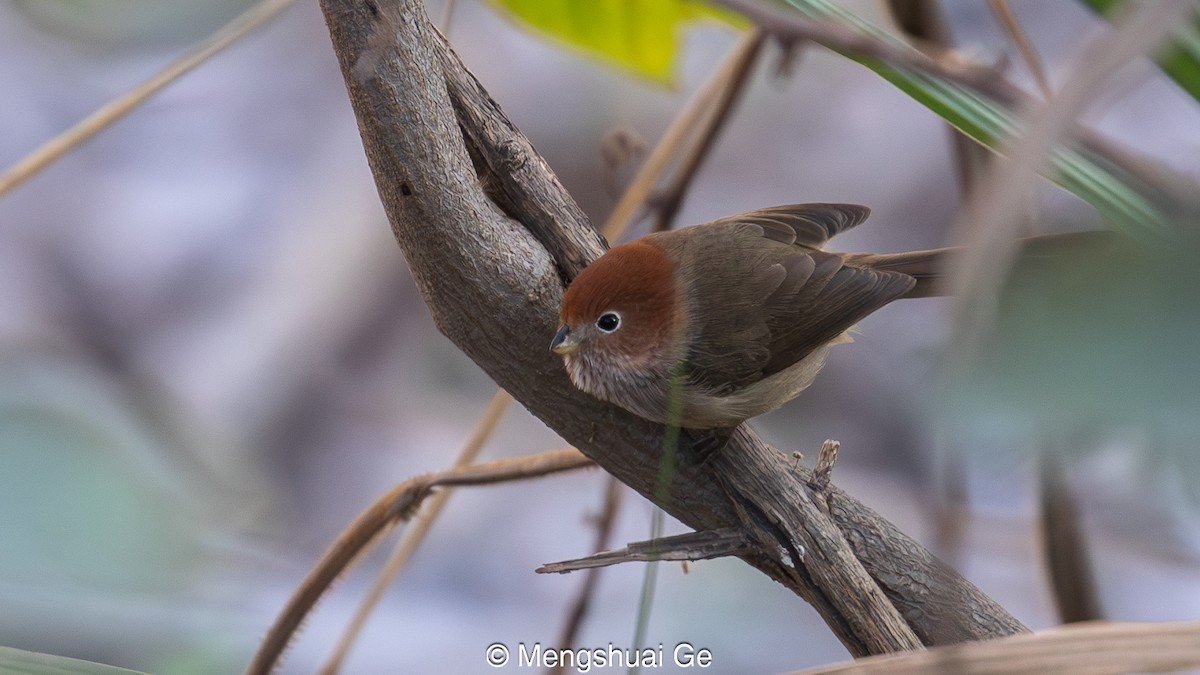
column 621, row 314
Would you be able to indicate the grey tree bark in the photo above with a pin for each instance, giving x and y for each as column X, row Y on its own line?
column 490, row 237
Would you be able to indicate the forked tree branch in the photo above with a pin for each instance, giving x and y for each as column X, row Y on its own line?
column 490, row 265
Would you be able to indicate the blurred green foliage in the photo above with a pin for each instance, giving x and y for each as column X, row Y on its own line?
column 80, row 469
column 33, row 663
column 642, row 37
column 1097, row 338
column 131, row 23
column 101, row 528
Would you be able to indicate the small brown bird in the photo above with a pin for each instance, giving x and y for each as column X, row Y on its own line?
column 708, row 326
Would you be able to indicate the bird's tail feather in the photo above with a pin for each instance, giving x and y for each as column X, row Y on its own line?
column 929, row 267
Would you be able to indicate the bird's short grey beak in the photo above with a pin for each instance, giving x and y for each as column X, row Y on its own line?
column 563, row 342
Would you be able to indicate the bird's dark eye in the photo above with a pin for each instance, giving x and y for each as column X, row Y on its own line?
column 608, row 322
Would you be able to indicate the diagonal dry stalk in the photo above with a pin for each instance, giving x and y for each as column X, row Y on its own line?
column 690, row 121
column 1016, row 33
column 51, row 150
column 397, row 505
column 413, row 536
column 737, row 76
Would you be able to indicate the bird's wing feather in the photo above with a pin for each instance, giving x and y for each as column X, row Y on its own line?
column 834, row 298
column 804, row 224
column 781, row 300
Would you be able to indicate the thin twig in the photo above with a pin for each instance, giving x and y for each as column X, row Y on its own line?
column 398, row 504
column 1071, row 578
column 668, row 146
column 621, row 152
column 89, row 126
column 1029, row 55
column 670, row 200
column 579, row 608
column 413, row 536
column 924, row 22
column 702, row 545
column 712, row 103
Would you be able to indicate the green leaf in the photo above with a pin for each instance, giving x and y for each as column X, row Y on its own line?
column 21, row 662
column 1180, row 61
column 1128, row 202
column 640, row 36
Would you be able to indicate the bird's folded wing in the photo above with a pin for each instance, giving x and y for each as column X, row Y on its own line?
column 804, row 224
column 777, row 302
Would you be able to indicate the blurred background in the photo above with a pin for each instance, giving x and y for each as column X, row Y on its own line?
column 212, row 357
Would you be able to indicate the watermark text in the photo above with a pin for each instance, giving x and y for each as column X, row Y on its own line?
column 585, row 660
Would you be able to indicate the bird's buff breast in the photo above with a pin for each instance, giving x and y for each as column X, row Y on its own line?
column 643, row 391
column 649, row 393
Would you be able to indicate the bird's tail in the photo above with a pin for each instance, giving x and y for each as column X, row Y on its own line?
column 930, row 267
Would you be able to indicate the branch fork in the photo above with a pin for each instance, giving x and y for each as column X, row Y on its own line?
column 490, row 265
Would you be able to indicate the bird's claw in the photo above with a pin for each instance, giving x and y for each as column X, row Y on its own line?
column 706, row 443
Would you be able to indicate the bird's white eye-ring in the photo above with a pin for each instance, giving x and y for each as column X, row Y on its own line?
column 608, row 322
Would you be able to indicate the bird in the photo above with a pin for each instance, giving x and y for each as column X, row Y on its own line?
column 707, row 326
